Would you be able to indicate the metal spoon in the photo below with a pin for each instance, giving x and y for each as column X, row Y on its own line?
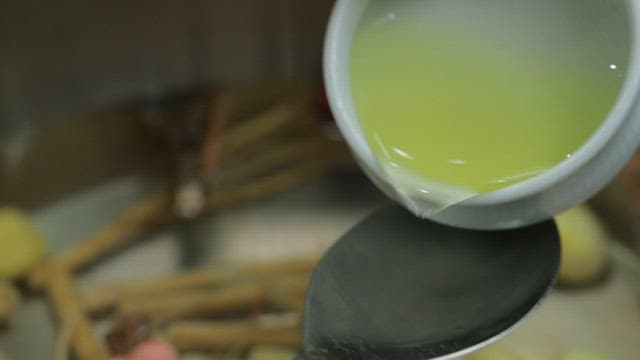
column 399, row 287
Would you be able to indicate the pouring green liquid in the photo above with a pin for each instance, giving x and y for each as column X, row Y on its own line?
column 469, row 103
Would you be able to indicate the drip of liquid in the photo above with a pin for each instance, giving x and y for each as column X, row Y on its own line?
column 458, row 98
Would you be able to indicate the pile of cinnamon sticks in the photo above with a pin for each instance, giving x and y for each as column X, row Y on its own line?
column 213, row 310
column 209, row 309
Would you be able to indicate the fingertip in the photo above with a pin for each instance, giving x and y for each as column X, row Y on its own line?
column 154, row 350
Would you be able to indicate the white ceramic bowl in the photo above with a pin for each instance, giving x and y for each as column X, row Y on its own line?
column 569, row 183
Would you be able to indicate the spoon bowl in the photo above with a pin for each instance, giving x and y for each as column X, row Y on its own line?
column 399, row 287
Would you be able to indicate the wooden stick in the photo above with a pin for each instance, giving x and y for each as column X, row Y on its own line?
column 203, row 336
column 65, row 303
column 101, row 299
column 153, row 208
column 289, row 266
column 204, row 303
column 145, row 213
column 217, row 121
column 277, row 155
column 117, row 233
column 233, row 299
column 265, row 124
column 152, row 211
column 285, row 179
column 287, row 293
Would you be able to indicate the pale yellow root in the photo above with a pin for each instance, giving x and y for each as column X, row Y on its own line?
column 9, row 300
column 585, row 254
column 21, row 245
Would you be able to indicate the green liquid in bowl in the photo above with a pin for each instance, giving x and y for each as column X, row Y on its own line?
column 465, row 95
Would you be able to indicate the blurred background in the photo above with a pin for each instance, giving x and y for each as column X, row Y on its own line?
column 150, row 149
column 56, row 63
column 79, row 55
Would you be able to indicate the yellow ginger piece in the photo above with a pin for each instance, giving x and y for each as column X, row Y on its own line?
column 584, row 247
column 21, row 245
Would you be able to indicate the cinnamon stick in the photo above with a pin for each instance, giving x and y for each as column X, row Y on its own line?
column 204, row 303
column 272, row 157
column 217, row 121
column 265, row 124
column 287, row 293
column 208, row 336
column 288, row 266
column 151, row 211
column 285, row 179
column 66, row 305
column 101, row 299
column 143, row 214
